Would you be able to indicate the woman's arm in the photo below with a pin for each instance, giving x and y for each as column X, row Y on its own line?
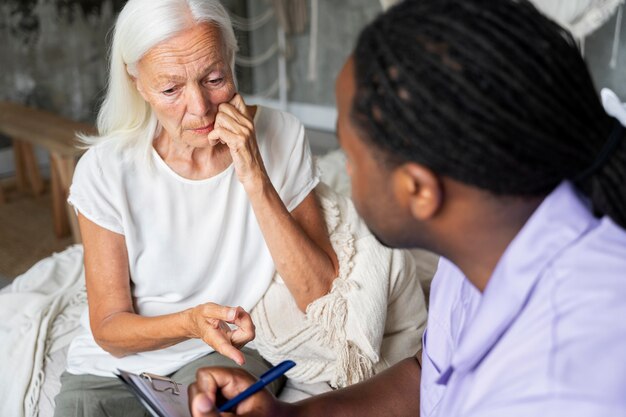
column 120, row 331
column 298, row 241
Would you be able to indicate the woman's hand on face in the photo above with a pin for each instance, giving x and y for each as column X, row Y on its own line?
column 209, row 322
column 234, row 127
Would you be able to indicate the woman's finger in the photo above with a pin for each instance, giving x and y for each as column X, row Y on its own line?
column 245, row 331
column 234, row 141
column 220, row 312
column 234, row 112
column 220, row 341
column 227, row 121
column 239, row 104
column 227, row 136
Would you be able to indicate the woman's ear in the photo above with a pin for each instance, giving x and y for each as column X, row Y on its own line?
column 419, row 189
column 131, row 70
column 139, row 87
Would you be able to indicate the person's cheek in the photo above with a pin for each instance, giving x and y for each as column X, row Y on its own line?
column 221, row 96
column 230, row 91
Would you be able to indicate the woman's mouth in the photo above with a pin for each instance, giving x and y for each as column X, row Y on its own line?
column 203, row 130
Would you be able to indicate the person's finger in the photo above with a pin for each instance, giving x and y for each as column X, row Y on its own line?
column 230, row 351
column 239, row 338
column 229, row 381
column 224, row 327
column 245, row 331
column 229, row 122
column 201, row 406
column 232, row 111
column 233, row 140
column 220, row 341
column 239, row 104
column 219, row 312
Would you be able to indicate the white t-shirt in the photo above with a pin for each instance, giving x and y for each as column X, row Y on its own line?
column 189, row 241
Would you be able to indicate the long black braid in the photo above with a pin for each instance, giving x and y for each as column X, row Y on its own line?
column 490, row 93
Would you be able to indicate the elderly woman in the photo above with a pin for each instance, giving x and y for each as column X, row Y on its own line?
column 187, row 196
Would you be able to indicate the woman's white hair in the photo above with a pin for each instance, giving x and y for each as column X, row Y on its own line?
column 124, row 115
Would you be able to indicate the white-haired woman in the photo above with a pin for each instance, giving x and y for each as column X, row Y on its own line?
column 188, row 202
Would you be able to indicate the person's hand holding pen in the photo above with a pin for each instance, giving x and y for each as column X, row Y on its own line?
column 245, row 394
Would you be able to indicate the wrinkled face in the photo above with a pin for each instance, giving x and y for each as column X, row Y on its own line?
column 184, row 79
column 373, row 191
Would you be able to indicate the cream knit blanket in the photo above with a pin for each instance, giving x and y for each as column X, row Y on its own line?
column 373, row 316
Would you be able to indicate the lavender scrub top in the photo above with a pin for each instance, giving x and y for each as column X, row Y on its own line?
column 547, row 337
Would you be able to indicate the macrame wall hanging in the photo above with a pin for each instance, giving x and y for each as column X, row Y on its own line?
column 251, row 24
column 291, row 18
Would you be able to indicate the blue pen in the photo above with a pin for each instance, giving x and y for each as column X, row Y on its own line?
column 265, row 379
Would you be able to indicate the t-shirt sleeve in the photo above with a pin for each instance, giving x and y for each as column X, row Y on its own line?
column 292, row 170
column 92, row 193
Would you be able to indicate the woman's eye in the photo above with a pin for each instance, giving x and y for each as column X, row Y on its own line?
column 169, row 91
column 215, row 81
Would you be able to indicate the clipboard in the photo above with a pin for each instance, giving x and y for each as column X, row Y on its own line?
column 160, row 395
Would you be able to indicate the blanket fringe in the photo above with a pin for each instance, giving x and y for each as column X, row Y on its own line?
column 325, row 318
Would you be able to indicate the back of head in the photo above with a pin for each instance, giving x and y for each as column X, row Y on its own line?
column 141, row 25
column 489, row 93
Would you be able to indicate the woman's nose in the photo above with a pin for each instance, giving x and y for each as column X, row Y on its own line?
column 198, row 102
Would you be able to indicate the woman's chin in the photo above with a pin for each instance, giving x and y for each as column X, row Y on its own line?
column 190, row 138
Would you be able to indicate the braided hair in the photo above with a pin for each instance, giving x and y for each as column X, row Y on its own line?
column 490, row 93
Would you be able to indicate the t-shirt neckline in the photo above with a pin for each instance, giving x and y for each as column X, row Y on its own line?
column 216, row 177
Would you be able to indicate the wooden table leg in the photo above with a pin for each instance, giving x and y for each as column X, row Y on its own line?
column 59, row 216
column 32, row 169
column 26, row 167
column 20, row 168
column 64, row 213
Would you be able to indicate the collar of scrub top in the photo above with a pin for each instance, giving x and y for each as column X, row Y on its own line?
column 546, row 234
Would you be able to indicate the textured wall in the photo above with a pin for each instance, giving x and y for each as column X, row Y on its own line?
column 52, row 52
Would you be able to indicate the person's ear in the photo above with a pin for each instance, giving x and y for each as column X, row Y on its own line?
column 419, row 189
column 131, row 70
column 139, row 87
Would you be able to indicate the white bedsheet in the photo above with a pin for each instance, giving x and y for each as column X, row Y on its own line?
column 39, row 313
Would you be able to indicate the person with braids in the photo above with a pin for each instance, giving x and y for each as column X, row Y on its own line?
column 473, row 129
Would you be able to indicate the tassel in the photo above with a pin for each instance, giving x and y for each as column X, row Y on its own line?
column 312, row 73
column 616, row 38
column 582, row 46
